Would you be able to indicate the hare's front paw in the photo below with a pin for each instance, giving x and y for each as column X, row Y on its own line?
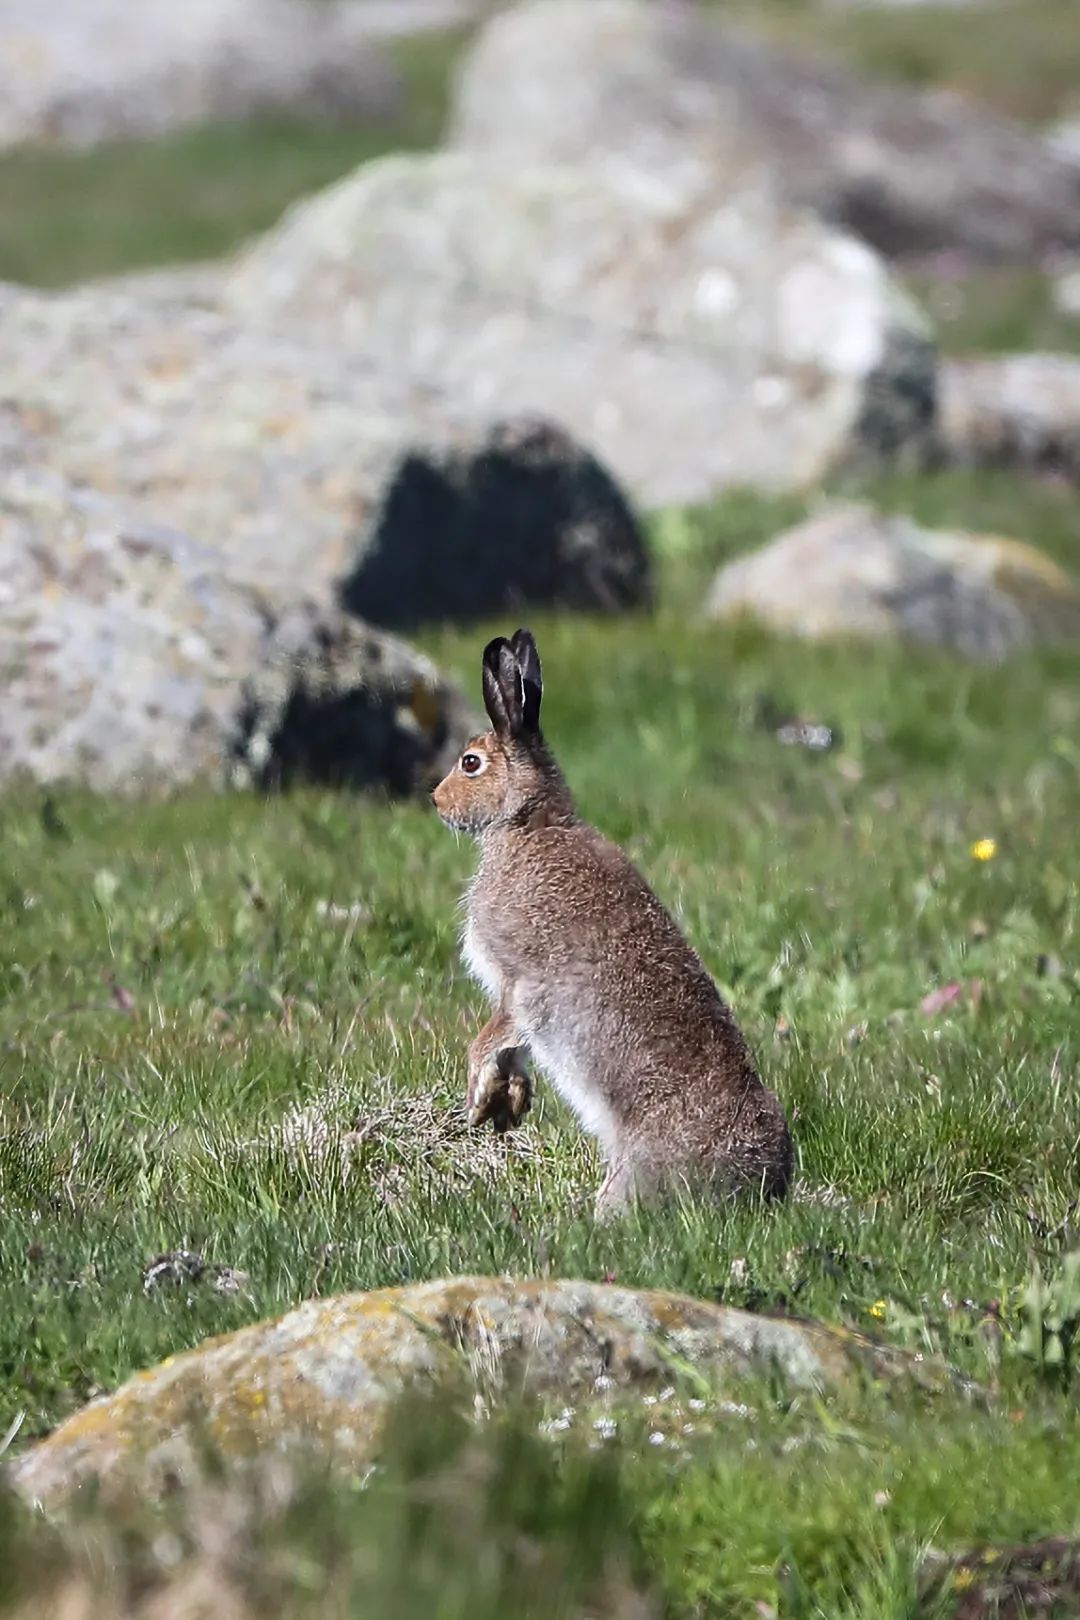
column 500, row 1090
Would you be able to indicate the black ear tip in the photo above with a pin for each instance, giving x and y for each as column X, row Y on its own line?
column 493, row 649
column 523, row 643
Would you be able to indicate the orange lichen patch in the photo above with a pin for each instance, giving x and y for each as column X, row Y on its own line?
column 1047, row 592
column 1028, row 560
column 425, row 706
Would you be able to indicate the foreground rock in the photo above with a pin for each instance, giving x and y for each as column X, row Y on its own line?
column 325, row 1374
column 671, row 89
column 693, row 341
column 1019, row 409
column 76, row 72
column 853, row 571
column 133, row 661
column 1021, row 1582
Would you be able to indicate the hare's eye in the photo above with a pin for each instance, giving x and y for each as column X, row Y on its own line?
column 473, row 764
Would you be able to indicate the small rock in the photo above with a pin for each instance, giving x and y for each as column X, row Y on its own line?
column 1022, row 409
column 812, row 735
column 1063, row 140
column 1065, row 293
column 334, row 701
column 853, row 571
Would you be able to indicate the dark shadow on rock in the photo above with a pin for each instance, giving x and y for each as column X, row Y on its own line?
column 528, row 518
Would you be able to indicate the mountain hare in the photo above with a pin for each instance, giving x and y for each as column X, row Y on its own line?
column 589, row 974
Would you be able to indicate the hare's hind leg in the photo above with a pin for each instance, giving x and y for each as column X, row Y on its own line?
column 500, row 1087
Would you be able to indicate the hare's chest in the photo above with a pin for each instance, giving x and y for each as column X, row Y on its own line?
column 480, row 962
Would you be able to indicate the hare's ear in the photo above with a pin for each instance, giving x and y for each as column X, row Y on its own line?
column 504, row 693
column 532, row 679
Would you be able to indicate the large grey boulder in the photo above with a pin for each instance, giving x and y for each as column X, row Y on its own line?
column 672, row 87
column 325, row 1375
column 270, row 448
column 851, row 571
column 297, row 455
column 181, row 491
column 133, row 661
column 694, row 340
column 76, row 72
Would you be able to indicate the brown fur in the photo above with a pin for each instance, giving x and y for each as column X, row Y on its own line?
column 589, row 972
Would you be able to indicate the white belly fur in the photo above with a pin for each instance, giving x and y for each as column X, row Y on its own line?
column 555, row 1043
column 557, row 1049
column 480, row 964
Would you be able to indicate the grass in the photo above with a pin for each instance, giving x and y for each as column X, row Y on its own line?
column 174, row 987
column 1020, row 57
column 995, row 312
column 196, row 194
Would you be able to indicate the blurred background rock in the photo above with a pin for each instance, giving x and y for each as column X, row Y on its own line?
column 570, row 267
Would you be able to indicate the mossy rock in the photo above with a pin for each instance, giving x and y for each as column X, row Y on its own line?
column 852, row 571
column 326, row 1374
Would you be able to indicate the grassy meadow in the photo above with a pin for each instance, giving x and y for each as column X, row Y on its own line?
column 200, row 997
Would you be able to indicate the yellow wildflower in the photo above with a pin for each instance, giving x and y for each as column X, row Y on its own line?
column 878, row 1309
column 984, row 849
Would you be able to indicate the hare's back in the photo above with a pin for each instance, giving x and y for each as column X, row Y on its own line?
column 565, row 906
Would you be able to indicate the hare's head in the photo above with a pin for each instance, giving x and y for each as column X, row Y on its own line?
column 506, row 776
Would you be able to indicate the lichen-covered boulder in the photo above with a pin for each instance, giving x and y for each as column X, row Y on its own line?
column 853, row 571
column 692, row 338
column 677, row 87
column 258, row 443
column 524, row 518
column 134, row 661
column 280, row 448
column 326, row 1374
